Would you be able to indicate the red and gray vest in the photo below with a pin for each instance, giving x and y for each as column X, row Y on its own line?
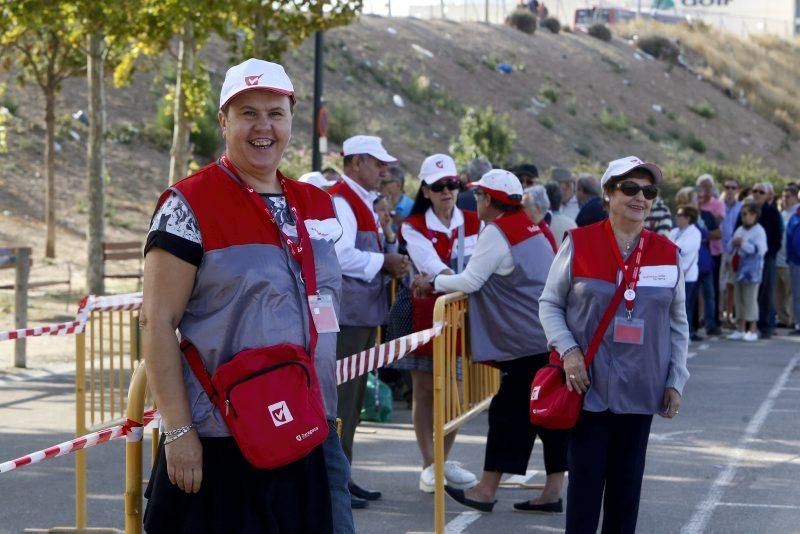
column 248, row 290
column 444, row 244
column 504, row 313
column 363, row 303
column 625, row 378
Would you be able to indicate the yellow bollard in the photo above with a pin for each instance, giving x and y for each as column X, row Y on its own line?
column 133, row 453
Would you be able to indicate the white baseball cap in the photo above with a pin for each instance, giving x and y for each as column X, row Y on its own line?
column 316, row 178
column 255, row 74
column 367, row 144
column 622, row 166
column 501, row 185
column 436, row 167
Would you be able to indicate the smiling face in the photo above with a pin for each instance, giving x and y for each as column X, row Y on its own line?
column 257, row 127
column 630, row 209
column 445, row 199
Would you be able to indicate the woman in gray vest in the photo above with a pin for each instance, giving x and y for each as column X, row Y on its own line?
column 639, row 368
column 504, row 278
column 232, row 254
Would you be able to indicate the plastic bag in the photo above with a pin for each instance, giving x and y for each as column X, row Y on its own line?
column 377, row 401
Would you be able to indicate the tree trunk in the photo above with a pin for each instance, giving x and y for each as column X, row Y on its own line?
column 258, row 36
column 95, row 166
column 50, row 170
column 178, row 154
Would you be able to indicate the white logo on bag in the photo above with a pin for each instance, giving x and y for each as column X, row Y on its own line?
column 535, row 392
column 306, row 435
column 280, row 413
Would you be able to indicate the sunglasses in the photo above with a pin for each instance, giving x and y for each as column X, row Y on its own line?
column 631, row 189
column 731, row 187
column 759, row 192
column 441, row 185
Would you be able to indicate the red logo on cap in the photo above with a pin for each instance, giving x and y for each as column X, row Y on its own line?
column 440, row 164
column 252, row 80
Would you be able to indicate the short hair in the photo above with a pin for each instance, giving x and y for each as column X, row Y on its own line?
column 690, row 211
column 752, row 207
column 553, row 194
column 505, row 208
column 477, row 168
column 732, row 179
column 767, row 186
column 792, row 189
column 588, row 184
column 705, row 178
column 525, row 168
column 397, row 174
column 684, row 195
column 536, row 196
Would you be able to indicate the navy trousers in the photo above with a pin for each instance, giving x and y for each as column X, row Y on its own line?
column 606, row 463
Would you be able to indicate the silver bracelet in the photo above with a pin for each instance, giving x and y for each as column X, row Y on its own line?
column 177, row 433
column 571, row 349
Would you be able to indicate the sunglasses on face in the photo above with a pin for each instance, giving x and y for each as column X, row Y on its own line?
column 731, row 187
column 440, row 186
column 759, row 192
column 631, row 189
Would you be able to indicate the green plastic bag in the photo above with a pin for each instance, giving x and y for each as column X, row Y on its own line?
column 377, row 401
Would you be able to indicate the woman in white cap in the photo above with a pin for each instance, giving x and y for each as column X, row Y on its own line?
column 439, row 238
column 632, row 276
column 504, row 279
column 240, row 258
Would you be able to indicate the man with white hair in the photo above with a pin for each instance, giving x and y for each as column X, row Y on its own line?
column 568, row 184
column 536, row 203
column 559, row 224
column 588, row 194
column 772, row 223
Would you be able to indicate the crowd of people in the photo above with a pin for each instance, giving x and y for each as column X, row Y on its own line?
column 250, row 266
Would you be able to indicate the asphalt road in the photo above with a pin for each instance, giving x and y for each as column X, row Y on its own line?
column 728, row 464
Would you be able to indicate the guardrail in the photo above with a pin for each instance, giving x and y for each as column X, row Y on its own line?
column 455, row 403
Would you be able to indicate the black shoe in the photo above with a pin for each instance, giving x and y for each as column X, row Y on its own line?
column 358, row 504
column 696, row 337
column 542, row 508
column 765, row 334
column 361, row 493
column 459, row 496
column 716, row 331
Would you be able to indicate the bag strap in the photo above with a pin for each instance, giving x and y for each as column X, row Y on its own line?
column 460, row 249
column 603, row 326
column 198, row 368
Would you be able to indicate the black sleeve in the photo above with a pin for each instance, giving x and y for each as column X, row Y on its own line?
column 184, row 249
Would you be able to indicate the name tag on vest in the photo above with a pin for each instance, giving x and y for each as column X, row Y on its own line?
column 658, row 276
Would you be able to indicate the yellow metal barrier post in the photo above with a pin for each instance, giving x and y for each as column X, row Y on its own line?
column 80, row 430
column 438, row 418
column 133, row 453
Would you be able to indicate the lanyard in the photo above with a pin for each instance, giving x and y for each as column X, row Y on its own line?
column 630, row 276
column 302, row 253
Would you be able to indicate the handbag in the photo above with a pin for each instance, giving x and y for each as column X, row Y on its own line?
column 552, row 405
column 269, row 397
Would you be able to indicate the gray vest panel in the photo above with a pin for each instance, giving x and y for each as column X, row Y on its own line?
column 624, row 378
column 364, row 303
column 504, row 313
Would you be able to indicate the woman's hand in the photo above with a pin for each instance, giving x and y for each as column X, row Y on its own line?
column 185, row 462
column 575, row 369
column 421, row 286
column 671, row 403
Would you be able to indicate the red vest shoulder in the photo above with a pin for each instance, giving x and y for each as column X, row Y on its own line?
column 365, row 220
column 517, row 227
column 472, row 223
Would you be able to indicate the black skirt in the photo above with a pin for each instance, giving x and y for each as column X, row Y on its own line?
column 235, row 497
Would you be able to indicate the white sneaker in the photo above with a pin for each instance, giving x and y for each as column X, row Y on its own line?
column 736, row 335
column 427, row 480
column 750, row 336
column 458, row 477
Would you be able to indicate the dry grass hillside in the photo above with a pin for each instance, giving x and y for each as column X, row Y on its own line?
column 572, row 99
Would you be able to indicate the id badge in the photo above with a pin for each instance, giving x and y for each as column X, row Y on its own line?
column 629, row 331
column 323, row 313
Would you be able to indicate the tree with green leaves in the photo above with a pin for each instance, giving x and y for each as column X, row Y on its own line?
column 41, row 38
column 483, row 134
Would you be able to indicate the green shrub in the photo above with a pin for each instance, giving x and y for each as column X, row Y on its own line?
column 693, row 142
column 550, row 92
column 583, row 148
column 600, row 31
column 546, row 121
column 342, row 119
column 615, row 122
column 704, row 108
column 523, row 20
column 659, row 47
column 552, row 24
column 205, row 136
column 483, row 134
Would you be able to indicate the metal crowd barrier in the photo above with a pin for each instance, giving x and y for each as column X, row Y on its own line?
column 133, row 452
column 106, row 355
column 455, row 403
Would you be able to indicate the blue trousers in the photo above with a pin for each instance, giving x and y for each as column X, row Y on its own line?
column 766, row 296
column 338, row 477
column 691, row 303
column 706, row 285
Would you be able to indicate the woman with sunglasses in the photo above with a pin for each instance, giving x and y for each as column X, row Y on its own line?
column 639, row 368
column 439, row 238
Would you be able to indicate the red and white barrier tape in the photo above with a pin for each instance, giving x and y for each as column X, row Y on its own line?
column 87, row 305
column 346, row 369
column 367, row 360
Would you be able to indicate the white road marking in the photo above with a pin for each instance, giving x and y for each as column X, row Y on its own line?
column 702, row 514
column 753, row 505
column 691, row 355
column 703, row 346
column 520, row 479
column 461, row 522
column 670, row 435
